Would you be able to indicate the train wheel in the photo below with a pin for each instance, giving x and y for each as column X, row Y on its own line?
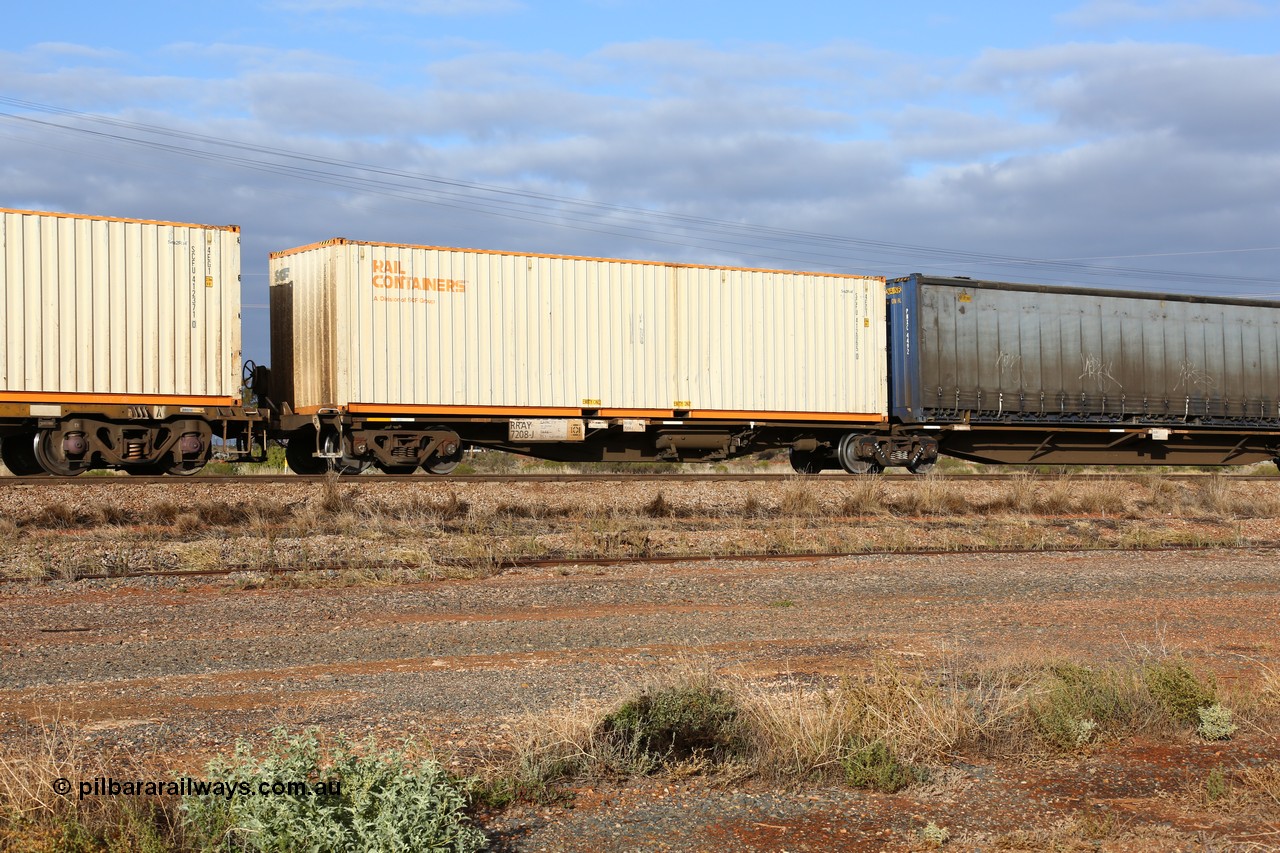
column 442, row 465
column 346, row 466
column 922, row 468
column 19, row 456
column 805, row 462
column 852, row 463
column 299, row 454
column 51, row 460
column 185, row 468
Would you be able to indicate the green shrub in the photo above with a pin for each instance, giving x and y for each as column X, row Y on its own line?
column 375, row 801
column 1216, row 786
column 675, row 724
column 932, row 835
column 479, row 461
column 1215, row 722
column 873, row 765
column 1081, row 703
column 1178, row 691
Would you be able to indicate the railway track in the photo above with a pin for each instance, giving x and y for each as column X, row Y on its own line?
column 500, row 565
column 419, row 479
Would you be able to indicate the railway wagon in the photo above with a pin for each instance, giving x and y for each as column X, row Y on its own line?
column 119, row 344
column 398, row 356
column 1019, row 373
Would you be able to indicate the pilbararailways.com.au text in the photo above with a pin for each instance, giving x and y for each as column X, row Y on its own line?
column 107, row 786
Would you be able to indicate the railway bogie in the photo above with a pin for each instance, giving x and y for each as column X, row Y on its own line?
column 336, row 443
column 137, row 440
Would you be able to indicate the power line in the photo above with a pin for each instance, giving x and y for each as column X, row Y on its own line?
column 585, row 215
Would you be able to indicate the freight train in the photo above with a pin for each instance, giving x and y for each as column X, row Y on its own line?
column 120, row 348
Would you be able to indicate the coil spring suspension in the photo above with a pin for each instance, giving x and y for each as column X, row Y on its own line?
column 135, row 450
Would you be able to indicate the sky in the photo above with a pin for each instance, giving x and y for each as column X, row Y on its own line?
column 1106, row 143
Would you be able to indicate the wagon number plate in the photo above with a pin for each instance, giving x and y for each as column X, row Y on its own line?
column 545, row 429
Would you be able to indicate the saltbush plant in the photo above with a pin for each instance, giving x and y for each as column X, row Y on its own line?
column 356, row 801
column 1215, row 722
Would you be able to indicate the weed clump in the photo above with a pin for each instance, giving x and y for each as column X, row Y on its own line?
column 682, row 723
column 1080, row 704
column 863, row 497
column 1216, row 786
column 873, row 765
column 799, row 501
column 370, row 801
column 659, row 507
column 932, row 835
column 1178, row 691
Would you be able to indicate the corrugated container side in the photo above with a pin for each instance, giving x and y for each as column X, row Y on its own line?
column 417, row 326
column 763, row 341
column 96, row 306
column 1040, row 353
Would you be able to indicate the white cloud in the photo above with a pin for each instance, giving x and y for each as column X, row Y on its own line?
column 55, row 50
column 1060, row 151
column 1205, row 97
column 441, row 8
column 1097, row 13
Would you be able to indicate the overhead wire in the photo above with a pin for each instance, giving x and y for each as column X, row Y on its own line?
column 663, row 227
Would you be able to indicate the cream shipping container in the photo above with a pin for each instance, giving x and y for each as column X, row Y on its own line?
column 560, row 349
column 106, row 318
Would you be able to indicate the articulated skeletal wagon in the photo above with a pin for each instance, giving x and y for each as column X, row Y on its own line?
column 121, row 349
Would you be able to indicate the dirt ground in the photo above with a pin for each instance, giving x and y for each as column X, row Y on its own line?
column 174, row 670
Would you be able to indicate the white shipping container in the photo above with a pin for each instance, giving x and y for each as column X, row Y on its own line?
column 370, row 326
column 97, row 309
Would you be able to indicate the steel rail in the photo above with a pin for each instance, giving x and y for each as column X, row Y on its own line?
column 499, row 565
column 419, row 479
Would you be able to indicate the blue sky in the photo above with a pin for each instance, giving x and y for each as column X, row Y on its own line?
column 1103, row 142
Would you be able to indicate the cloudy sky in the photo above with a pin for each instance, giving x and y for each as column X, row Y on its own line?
column 1128, row 143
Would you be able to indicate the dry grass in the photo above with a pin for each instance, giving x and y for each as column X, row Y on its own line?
column 864, row 496
column 801, row 731
column 933, row 494
column 908, row 715
column 882, row 728
column 1259, row 785
column 337, row 522
column 798, row 501
column 1086, row 832
column 1253, row 789
column 34, row 817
